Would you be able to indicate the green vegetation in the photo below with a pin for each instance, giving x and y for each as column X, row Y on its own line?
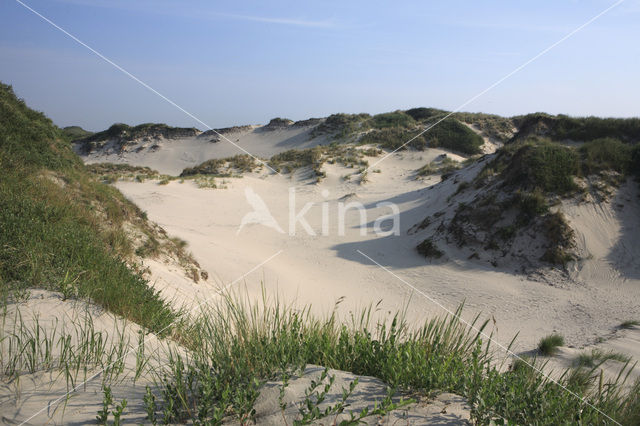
column 393, row 138
column 127, row 133
column 597, row 357
column 606, row 154
column 560, row 238
column 425, row 114
column 110, row 172
column 65, row 227
column 71, row 347
column 583, row 129
column 530, row 204
column 446, row 165
column 224, row 167
column 448, row 134
column 293, row 159
column 340, row 125
column 492, row 126
column 75, row 132
column 235, row 348
column 635, row 161
column 124, row 134
column 453, row 135
column 391, row 119
column 66, row 234
column 427, row 248
column 279, row 122
column 540, row 164
column 346, row 155
column 549, row 345
column 630, row 324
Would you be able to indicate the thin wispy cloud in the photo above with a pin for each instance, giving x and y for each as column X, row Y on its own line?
column 168, row 9
column 281, row 21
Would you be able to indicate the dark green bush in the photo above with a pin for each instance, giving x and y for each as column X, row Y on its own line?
column 548, row 166
column 392, row 119
column 453, row 135
column 341, row 125
column 394, row 138
column 606, row 154
column 422, row 114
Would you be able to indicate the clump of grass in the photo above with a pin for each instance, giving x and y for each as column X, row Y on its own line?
column 549, row 345
column 427, row 248
column 530, row 204
column 630, row 324
column 560, row 237
column 597, row 357
column 446, row 165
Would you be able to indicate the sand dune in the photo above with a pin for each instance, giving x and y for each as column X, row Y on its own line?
column 319, row 269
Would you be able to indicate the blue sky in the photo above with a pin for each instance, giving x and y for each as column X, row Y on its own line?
column 246, row 62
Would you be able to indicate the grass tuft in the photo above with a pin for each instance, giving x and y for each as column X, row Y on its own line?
column 549, row 345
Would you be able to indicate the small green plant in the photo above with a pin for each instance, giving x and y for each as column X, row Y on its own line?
column 310, row 410
column 68, row 287
column 549, row 345
column 150, row 406
column 630, row 324
column 107, row 400
column 118, row 411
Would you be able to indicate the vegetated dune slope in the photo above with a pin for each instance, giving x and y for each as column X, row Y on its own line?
column 172, row 155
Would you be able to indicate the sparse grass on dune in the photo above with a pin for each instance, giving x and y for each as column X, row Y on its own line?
column 73, row 347
column 597, row 357
column 235, row 346
column 447, row 165
column 630, row 324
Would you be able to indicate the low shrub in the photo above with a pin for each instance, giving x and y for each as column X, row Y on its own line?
column 427, row 248
column 544, row 165
column 453, row 135
column 606, row 154
column 392, row 119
